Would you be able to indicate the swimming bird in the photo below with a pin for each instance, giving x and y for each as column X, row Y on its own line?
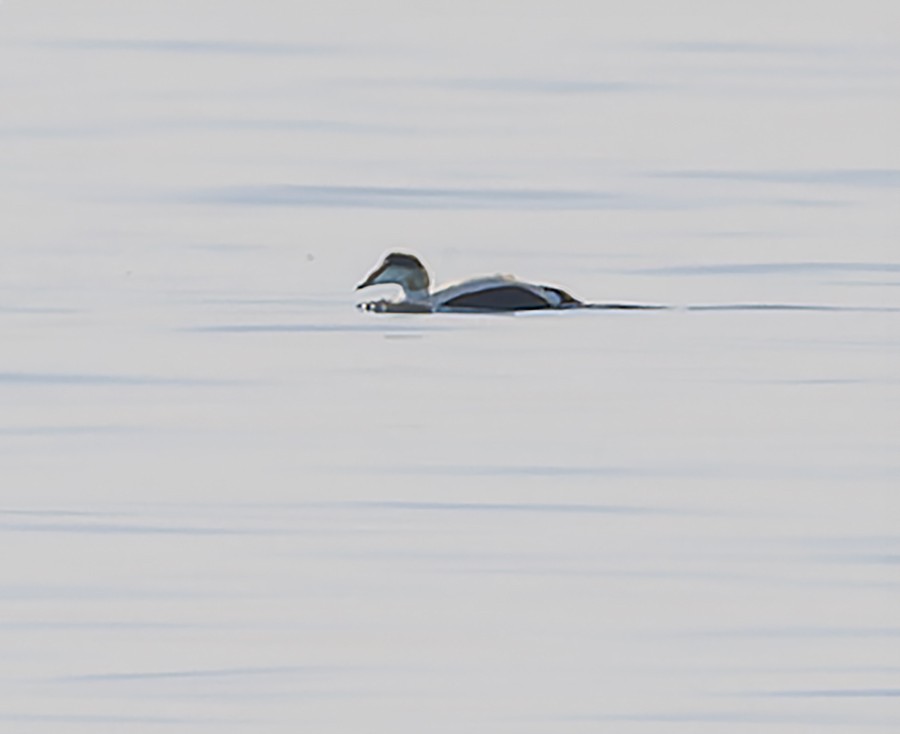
column 493, row 293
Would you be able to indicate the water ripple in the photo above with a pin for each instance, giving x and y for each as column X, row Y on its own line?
column 188, row 46
column 529, row 507
column 835, row 693
column 386, row 328
column 400, row 197
column 860, row 177
column 198, row 673
column 104, row 380
column 524, row 85
column 774, row 268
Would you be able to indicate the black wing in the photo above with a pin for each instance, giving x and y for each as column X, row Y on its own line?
column 499, row 298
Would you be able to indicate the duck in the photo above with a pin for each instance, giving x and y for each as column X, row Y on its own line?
column 496, row 293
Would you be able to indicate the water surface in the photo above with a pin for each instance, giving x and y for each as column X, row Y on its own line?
column 233, row 502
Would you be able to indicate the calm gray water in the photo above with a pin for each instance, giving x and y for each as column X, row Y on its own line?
column 232, row 502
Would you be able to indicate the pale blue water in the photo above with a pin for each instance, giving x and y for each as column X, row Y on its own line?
column 233, row 502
